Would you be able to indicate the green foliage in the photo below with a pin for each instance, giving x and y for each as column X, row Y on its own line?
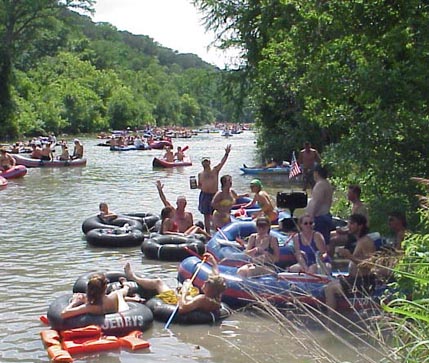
column 349, row 76
column 63, row 73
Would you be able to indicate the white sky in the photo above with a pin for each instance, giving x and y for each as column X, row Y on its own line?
column 174, row 24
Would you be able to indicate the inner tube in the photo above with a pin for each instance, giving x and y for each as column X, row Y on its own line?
column 107, row 237
column 96, row 222
column 162, row 312
column 138, row 317
column 168, row 247
column 113, row 276
column 148, row 220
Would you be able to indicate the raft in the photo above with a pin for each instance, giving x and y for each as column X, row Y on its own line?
column 37, row 163
column 123, row 148
column 161, row 163
column 282, row 289
column 17, row 171
column 256, row 171
column 231, row 252
column 170, row 247
column 161, row 144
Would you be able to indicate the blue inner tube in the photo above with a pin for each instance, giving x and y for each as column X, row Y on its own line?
column 162, row 312
column 138, row 317
column 106, row 237
column 171, row 247
column 96, row 222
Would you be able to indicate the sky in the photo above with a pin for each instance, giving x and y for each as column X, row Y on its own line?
column 174, row 24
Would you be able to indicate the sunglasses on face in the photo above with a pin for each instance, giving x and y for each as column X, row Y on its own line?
column 308, row 223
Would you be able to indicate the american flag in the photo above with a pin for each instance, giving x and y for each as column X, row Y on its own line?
column 294, row 167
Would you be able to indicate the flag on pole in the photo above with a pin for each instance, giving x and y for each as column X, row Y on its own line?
column 294, row 167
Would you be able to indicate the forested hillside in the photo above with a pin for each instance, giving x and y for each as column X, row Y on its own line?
column 61, row 72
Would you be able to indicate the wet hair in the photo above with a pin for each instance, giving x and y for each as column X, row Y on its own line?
column 223, row 179
column 103, row 204
column 360, row 220
column 166, row 211
column 355, row 189
column 399, row 216
column 96, row 288
column 323, row 172
column 217, row 283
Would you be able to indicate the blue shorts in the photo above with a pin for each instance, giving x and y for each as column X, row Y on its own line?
column 205, row 203
column 323, row 224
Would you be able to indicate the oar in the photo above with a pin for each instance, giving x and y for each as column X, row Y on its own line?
column 176, row 309
column 185, row 148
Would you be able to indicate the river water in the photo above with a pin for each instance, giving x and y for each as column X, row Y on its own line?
column 42, row 253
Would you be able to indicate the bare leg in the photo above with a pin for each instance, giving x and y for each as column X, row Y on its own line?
column 207, row 222
column 151, row 284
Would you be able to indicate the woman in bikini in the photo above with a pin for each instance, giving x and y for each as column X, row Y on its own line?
column 306, row 244
column 223, row 201
column 208, row 301
column 95, row 301
column 263, row 249
column 169, row 226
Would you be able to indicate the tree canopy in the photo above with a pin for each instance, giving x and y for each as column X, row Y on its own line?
column 349, row 76
column 61, row 72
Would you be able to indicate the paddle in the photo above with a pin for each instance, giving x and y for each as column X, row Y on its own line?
column 185, row 148
column 176, row 309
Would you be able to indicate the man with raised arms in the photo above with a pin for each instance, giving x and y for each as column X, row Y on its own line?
column 208, row 181
column 183, row 218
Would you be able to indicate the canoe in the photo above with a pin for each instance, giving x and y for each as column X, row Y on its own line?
column 17, row 171
column 254, row 171
column 161, row 163
column 37, row 163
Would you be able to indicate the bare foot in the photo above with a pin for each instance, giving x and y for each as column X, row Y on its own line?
column 128, row 271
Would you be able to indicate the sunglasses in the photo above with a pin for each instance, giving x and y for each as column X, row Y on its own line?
column 307, row 223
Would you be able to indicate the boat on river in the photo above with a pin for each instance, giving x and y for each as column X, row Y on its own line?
column 261, row 170
column 17, row 171
column 38, row 163
column 280, row 289
column 162, row 163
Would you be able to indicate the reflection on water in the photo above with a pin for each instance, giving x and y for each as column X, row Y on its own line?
column 42, row 251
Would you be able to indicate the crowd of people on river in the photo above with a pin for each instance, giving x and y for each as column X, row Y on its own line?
column 42, row 148
column 315, row 243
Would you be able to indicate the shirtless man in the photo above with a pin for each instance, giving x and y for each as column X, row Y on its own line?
column 7, row 161
column 78, row 150
column 36, row 153
column 46, row 153
column 320, row 203
column 308, row 158
column 179, row 155
column 168, row 156
column 342, row 235
column 398, row 225
column 359, row 277
column 208, row 181
column 183, row 218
